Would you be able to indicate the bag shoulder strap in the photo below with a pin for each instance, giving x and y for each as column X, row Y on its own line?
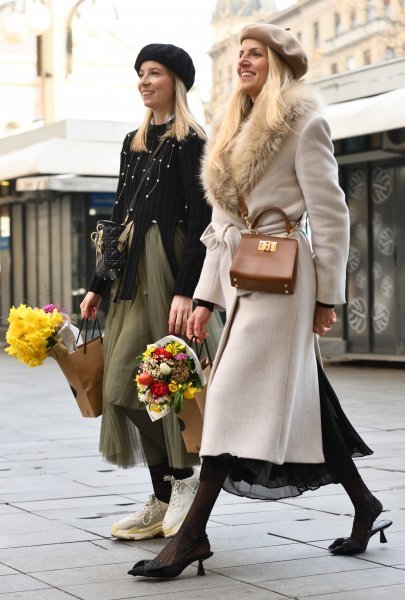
column 144, row 175
column 244, row 212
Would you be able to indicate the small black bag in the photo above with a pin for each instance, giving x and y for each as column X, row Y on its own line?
column 110, row 240
column 111, row 259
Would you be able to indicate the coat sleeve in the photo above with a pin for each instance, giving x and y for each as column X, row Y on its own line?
column 317, row 174
column 102, row 286
column 198, row 215
column 209, row 287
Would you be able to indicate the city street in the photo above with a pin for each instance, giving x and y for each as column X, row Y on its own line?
column 58, row 500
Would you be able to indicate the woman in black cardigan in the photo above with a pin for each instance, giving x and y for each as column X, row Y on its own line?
column 154, row 295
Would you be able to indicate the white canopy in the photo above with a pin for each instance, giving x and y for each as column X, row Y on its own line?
column 59, row 155
column 76, row 147
column 367, row 115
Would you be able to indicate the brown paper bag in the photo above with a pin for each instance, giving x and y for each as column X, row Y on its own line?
column 84, row 371
column 192, row 416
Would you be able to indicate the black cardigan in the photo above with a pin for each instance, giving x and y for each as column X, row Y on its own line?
column 171, row 194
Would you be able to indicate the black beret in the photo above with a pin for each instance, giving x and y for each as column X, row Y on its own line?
column 174, row 58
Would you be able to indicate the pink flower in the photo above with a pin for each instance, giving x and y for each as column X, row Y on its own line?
column 180, row 356
column 49, row 308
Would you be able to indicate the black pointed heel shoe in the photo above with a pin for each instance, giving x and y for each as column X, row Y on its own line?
column 348, row 546
column 155, row 568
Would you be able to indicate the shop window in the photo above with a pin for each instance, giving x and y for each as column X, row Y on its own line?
column 5, row 261
column 374, row 141
column 354, row 144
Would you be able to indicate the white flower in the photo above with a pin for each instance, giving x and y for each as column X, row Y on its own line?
column 145, row 398
column 165, row 369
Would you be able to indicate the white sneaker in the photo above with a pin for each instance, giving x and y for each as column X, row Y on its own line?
column 183, row 492
column 144, row 524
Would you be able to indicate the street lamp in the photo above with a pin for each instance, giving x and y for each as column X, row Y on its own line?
column 26, row 16
column 96, row 17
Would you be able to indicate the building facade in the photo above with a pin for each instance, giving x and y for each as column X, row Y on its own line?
column 338, row 35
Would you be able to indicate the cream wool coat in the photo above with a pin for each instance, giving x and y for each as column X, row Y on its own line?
column 263, row 395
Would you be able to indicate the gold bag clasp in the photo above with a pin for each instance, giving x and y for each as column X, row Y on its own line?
column 97, row 239
column 267, row 246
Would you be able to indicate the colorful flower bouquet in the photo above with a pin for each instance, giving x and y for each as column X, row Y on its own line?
column 168, row 373
column 36, row 333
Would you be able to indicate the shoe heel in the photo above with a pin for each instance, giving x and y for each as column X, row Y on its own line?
column 383, row 539
column 200, row 570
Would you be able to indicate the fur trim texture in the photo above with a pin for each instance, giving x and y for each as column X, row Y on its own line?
column 253, row 151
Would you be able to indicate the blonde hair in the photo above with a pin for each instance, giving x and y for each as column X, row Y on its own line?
column 269, row 103
column 181, row 126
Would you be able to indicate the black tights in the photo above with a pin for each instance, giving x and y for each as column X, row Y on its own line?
column 152, row 432
column 213, row 474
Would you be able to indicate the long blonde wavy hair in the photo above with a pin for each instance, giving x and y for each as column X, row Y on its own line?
column 269, row 103
column 181, row 126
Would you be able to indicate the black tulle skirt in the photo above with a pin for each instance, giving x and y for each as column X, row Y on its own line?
column 267, row 481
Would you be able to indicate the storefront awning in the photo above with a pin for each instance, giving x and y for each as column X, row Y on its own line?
column 367, row 115
column 59, row 155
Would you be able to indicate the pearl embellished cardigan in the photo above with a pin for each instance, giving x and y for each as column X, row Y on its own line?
column 171, row 194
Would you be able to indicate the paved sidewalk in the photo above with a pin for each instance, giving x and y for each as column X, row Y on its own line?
column 58, row 500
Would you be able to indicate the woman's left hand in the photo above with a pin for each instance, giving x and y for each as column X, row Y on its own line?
column 180, row 310
column 324, row 319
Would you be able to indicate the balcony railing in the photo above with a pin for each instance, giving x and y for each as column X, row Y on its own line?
column 355, row 36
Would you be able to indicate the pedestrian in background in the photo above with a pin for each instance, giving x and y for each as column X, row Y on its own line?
column 273, row 427
column 154, row 295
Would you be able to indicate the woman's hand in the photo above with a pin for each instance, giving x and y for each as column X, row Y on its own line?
column 324, row 319
column 180, row 311
column 90, row 305
column 197, row 323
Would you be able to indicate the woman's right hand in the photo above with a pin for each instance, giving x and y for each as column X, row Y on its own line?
column 90, row 305
column 197, row 323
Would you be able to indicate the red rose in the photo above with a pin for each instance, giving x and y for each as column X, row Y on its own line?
column 159, row 389
column 145, row 379
column 161, row 353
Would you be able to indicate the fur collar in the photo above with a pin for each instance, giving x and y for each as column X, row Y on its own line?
column 253, row 151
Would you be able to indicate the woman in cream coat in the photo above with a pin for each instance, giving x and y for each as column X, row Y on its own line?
column 273, row 427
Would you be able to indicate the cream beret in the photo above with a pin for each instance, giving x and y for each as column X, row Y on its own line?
column 281, row 41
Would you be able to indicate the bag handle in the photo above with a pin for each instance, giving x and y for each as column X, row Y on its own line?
column 244, row 212
column 96, row 322
column 144, row 175
column 200, row 348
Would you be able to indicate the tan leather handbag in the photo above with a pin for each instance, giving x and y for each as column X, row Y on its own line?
column 265, row 263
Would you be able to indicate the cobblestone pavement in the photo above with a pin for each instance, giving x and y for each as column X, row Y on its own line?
column 58, row 500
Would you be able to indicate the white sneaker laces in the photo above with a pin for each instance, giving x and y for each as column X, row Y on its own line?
column 178, row 487
column 146, row 513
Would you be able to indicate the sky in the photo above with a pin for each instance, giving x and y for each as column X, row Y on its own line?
column 185, row 23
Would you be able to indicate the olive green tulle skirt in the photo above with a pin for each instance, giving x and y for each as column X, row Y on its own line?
column 130, row 326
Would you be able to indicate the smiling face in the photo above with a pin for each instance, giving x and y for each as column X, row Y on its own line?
column 253, row 67
column 156, row 86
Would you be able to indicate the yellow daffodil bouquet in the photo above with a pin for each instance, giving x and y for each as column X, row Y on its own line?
column 33, row 333
column 169, row 372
